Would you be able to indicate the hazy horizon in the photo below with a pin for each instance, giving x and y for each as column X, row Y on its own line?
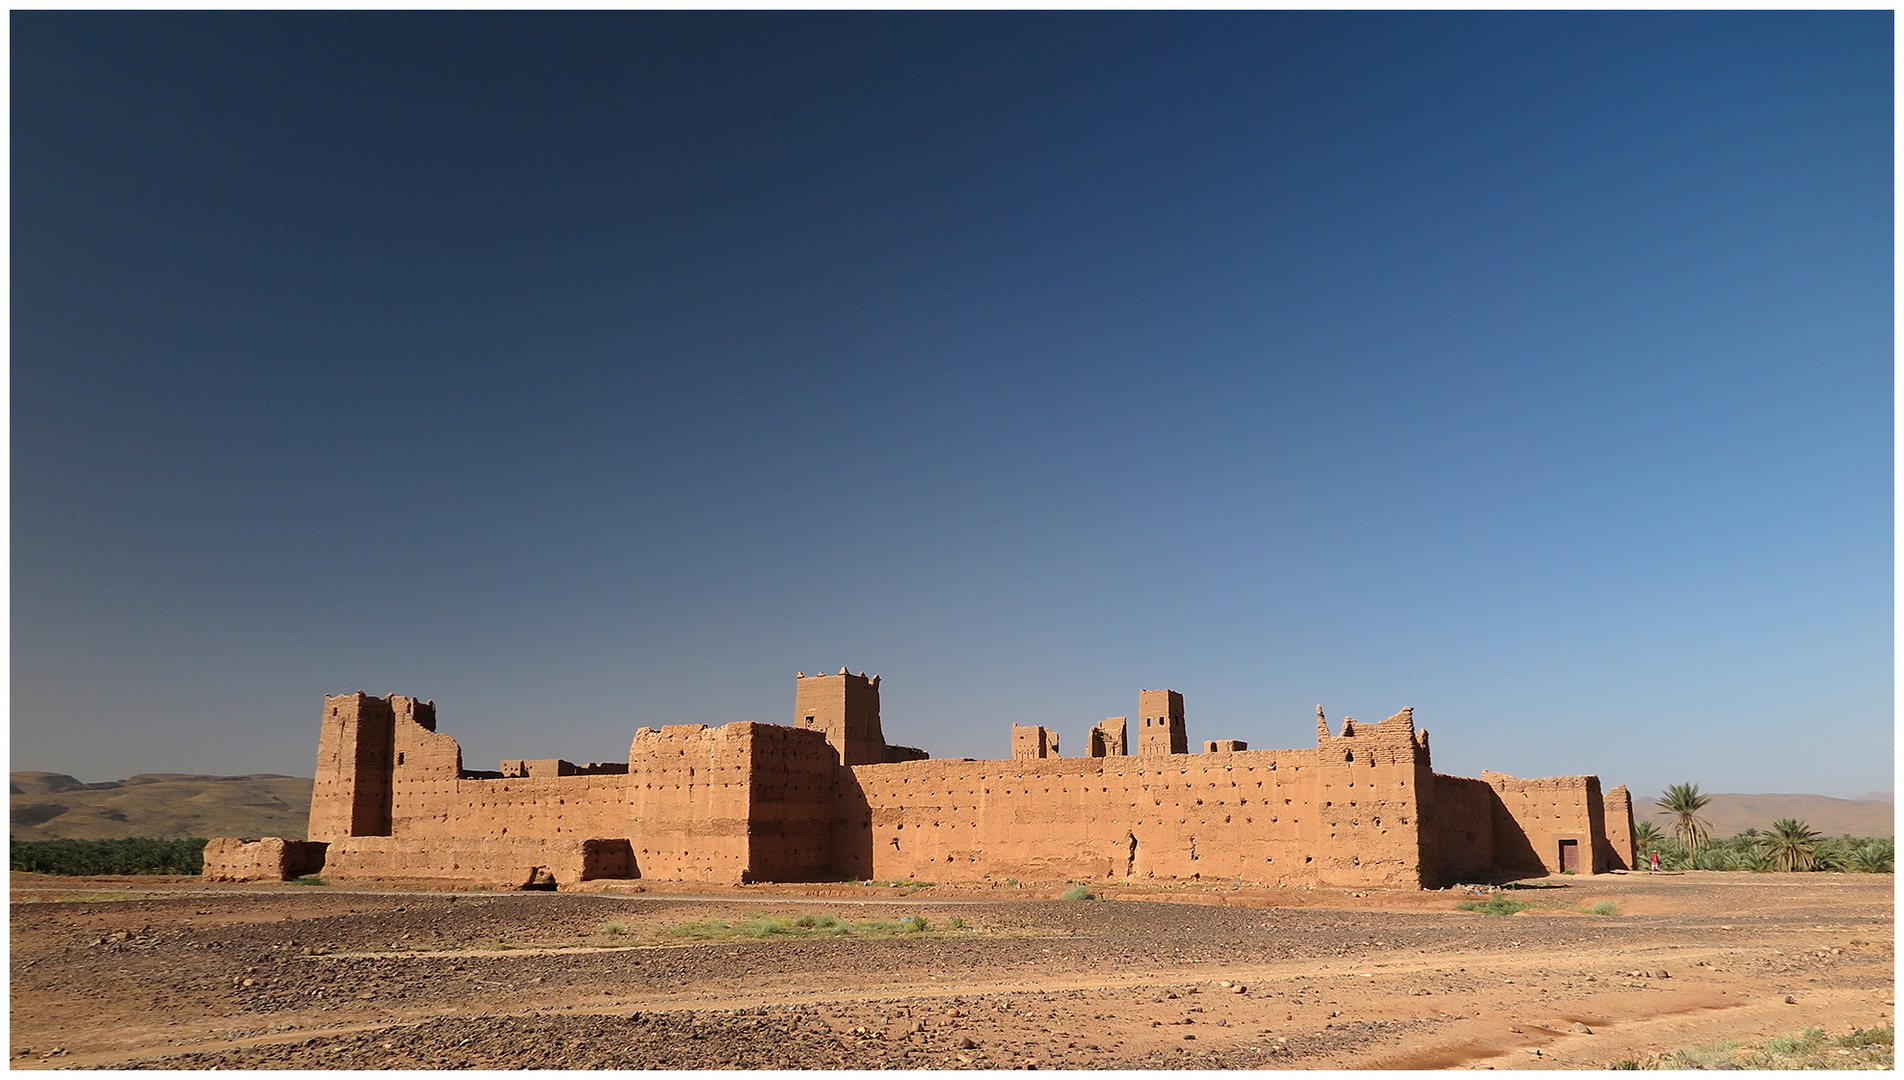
column 591, row 371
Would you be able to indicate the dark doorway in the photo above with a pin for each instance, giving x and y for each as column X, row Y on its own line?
column 1569, row 856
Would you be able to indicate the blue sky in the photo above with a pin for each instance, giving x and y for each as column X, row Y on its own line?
column 585, row 372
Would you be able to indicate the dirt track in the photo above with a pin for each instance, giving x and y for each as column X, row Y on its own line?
column 183, row 975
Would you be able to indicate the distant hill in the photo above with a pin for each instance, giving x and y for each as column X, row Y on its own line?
column 54, row 806
column 1731, row 814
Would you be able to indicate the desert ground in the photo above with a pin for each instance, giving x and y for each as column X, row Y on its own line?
column 176, row 973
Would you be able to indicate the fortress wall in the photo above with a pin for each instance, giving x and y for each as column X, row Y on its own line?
column 1464, row 827
column 508, row 862
column 790, row 804
column 1250, row 815
column 1533, row 817
column 689, row 800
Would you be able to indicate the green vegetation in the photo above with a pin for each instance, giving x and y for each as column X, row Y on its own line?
column 1860, row 1048
column 1494, row 905
column 1683, row 802
column 615, row 927
column 1077, row 892
column 309, row 879
column 90, row 857
column 803, row 926
column 1790, row 847
column 1605, row 907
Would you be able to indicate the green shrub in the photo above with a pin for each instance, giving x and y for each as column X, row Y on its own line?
column 1498, row 905
column 957, row 923
column 1605, row 907
column 1077, row 892
column 309, row 879
column 615, row 927
column 139, row 855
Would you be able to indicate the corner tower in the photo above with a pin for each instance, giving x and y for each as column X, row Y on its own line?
column 845, row 708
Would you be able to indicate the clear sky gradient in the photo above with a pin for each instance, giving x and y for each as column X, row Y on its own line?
column 585, row 372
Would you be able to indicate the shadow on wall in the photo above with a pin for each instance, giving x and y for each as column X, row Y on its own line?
column 852, row 830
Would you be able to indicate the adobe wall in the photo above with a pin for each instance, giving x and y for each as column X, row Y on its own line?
column 502, row 861
column 1532, row 817
column 845, row 708
column 1463, row 826
column 688, row 802
column 432, row 796
column 1160, row 725
column 1374, row 787
column 1108, row 738
column 752, row 801
column 351, row 795
column 270, row 859
column 790, row 814
column 1254, row 815
column 1032, row 742
column 1617, row 807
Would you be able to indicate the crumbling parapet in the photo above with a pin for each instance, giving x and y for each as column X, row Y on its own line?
column 1224, row 746
column 1032, row 742
column 1108, row 738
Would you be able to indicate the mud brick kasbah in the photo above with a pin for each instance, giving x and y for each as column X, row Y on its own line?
column 827, row 798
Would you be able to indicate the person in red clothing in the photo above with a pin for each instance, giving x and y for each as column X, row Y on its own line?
column 1655, row 860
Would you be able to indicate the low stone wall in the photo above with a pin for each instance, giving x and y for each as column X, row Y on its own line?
column 508, row 862
column 273, row 858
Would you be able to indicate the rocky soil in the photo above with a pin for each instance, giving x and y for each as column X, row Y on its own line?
column 142, row 974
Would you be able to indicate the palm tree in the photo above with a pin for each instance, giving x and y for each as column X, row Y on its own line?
column 1646, row 838
column 1790, row 842
column 1874, row 856
column 1683, row 802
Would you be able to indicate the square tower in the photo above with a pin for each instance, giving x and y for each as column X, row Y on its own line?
column 1160, row 727
column 845, row 708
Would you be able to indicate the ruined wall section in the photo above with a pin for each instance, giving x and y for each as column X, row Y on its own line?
column 502, row 861
column 1375, row 788
column 1533, row 818
column 1034, row 741
column 351, row 796
column 1109, row 738
column 270, row 859
column 1618, row 809
column 1250, row 815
